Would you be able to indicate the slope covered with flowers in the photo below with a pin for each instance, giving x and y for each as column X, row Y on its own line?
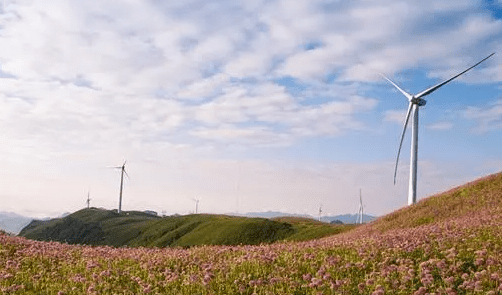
column 457, row 254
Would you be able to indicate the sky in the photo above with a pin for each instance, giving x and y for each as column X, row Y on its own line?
column 246, row 106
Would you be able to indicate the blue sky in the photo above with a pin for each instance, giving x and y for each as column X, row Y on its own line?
column 244, row 105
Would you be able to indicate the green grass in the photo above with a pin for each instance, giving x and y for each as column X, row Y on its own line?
column 208, row 229
column 103, row 227
column 447, row 244
column 309, row 229
column 471, row 198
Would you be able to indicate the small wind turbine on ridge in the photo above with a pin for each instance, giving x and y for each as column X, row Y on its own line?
column 415, row 102
column 360, row 213
column 122, row 168
column 196, row 205
column 88, row 202
column 320, row 212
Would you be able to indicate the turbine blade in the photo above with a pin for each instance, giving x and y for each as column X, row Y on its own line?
column 408, row 96
column 402, row 137
column 436, row 87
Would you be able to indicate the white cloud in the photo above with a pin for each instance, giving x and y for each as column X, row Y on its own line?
column 308, row 64
column 269, row 104
column 256, row 135
column 441, row 126
column 249, row 64
column 396, row 116
column 203, row 88
column 487, row 119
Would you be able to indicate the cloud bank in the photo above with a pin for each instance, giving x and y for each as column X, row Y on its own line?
column 90, row 84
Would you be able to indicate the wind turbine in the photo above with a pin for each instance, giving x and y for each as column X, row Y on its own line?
column 122, row 168
column 88, row 202
column 415, row 102
column 320, row 212
column 360, row 213
column 196, row 205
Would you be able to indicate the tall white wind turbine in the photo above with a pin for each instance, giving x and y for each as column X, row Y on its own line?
column 415, row 102
column 122, row 168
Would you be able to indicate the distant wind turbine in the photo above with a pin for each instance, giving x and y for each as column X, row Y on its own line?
column 122, row 168
column 320, row 212
column 415, row 102
column 360, row 213
column 88, row 199
column 196, row 205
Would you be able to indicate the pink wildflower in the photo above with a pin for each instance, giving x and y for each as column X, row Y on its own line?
column 147, row 289
column 420, row 291
column 315, row 283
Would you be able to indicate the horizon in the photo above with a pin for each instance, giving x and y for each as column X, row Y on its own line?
column 160, row 214
column 247, row 107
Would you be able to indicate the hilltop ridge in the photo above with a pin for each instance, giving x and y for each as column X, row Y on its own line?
column 133, row 228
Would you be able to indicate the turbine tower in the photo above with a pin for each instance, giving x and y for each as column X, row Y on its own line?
column 415, row 102
column 196, row 205
column 122, row 168
column 88, row 202
column 320, row 212
column 360, row 213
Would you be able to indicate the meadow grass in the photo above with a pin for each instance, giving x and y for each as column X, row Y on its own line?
column 451, row 254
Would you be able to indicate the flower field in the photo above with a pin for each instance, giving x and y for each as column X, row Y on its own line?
column 449, row 255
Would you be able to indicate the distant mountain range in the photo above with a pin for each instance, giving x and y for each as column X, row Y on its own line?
column 345, row 218
column 12, row 222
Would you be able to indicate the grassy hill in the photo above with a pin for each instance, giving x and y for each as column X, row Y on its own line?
column 477, row 197
column 450, row 243
column 103, row 227
column 309, row 229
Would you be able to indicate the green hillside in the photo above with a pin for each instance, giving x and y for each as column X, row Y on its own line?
column 446, row 244
column 309, row 229
column 476, row 197
column 103, row 227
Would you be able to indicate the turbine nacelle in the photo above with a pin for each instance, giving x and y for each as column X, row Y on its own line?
column 418, row 101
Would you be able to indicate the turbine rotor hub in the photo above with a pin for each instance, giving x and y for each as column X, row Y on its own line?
column 418, row 101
